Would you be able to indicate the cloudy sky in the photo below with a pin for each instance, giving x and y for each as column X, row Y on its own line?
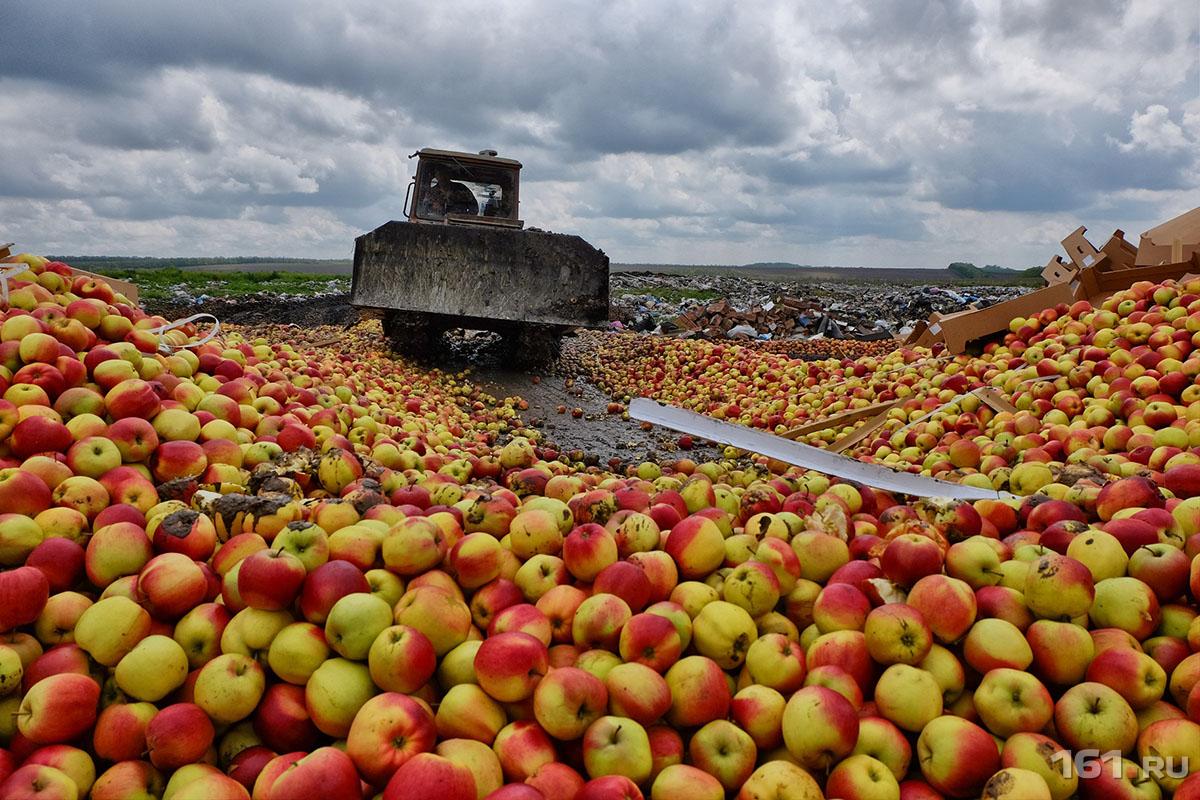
column 882, row 133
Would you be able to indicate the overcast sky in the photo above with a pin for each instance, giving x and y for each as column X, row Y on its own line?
column 852, row 133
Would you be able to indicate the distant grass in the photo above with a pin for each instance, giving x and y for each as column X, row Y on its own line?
column 160, row 284
column 99, row 263
column 673, row 295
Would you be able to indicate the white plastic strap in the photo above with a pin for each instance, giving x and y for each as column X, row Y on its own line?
column 803, row 455
column 179, row 323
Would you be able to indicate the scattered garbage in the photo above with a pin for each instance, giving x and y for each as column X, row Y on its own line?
column 732, row 307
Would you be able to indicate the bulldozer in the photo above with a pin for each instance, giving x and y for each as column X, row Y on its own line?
column 463, row 259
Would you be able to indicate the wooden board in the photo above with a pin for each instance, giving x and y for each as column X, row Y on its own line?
column 842, row 418
column 861, row 432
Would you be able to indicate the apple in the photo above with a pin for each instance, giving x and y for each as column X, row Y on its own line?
column 413, row 546
column 617, row 746
column 598, row 621
column 897, row 634
column 844, row 649
column 388, row 730
column 1137, row 677
column 93, row 456
column 155, row 667
column 699, row 692
column 354, row 622
column 861, row 776
column 1176, row 742
column 128, row 779
column 758, row 710
column 696, row 545
column 956, row 756
column 510, row 665
column 1044, row 756
column 443, row 618
column 724, row 632
column 1011, row 783
column 947, row 604
column 170, row 585
column 58, row 708
column 651, row 639
column 567, row 700
column 19, row 535
column 199, row 633
column 23, row 594
column 115, row 551
column 994, row 643
column 780, row 780
column 908, row 696
column 76, row 764
column 110, row 628
column 725, row 751
column 522, row 617
column 820, row 727
column 775, row 661
column 882, row 740
column 974, row 561
column 523, row 748
column 909, row 557
column 587, row 550
column 401, row 659
column 1092, row 716
column 248, row 764
column 1012, row 701
column 1058, row 587
column 22, row 492
column 466, row 711
column 296, row 651
column 120, row 732
column 229, row 687
column 1125, row 603
column 134, row 437
column 840, row 607
column 681, row 780
column 38, row 782
column 1162, row 567
column 637, row 692
column 334, row 694
column 184, row 531
column 1100, row 552
column 282, row 720
column 325, row 772
column 493, row 597
column 475, row 559
column 132, row 397
column 429, row 775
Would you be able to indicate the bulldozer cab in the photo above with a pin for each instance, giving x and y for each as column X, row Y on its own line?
column 464, row 189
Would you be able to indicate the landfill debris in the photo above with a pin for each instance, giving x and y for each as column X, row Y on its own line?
column 733, row 307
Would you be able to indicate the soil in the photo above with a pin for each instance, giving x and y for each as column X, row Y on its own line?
column 306, row 312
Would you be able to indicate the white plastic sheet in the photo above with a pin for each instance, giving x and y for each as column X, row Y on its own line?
column 803, row 455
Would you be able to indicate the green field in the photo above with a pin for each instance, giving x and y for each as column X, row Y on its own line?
column 162, row 284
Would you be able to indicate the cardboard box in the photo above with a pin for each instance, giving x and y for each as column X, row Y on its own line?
column 124, row 287
column 1172, row 242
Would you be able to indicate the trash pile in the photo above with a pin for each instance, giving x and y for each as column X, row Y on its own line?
column 182, row 294
column 731, row 307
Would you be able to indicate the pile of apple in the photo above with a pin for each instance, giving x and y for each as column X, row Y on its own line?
column 246, row 570
column 1111, row 389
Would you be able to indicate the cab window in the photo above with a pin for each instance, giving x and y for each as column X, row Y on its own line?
column 454, row 188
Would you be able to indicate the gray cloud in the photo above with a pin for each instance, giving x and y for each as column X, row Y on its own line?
column 832, row 132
